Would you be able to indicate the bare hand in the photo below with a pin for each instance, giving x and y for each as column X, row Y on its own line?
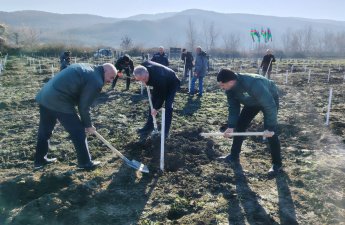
column 90, row 130
column 268, row 133
column 154, row 112
column 195, row 74
column 119, row 74
column 228, row 132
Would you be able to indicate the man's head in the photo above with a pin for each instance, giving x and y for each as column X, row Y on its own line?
column 226, row 79
column 198, row 50
column 161, row 50
column 184, row 50
column 141, row 74
column 126, row 58
column 268, row 52
column 109, row 72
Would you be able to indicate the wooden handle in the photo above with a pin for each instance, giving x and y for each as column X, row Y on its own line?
column 218, row 134
column 110, row 146
column 151, row 106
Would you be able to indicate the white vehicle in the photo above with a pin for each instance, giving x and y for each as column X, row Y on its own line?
column 103, row 52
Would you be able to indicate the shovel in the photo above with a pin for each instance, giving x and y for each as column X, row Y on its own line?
column 134, row 164
column 217, row 134
column 155, row 129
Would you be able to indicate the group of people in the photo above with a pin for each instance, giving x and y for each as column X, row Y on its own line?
column 78, row 85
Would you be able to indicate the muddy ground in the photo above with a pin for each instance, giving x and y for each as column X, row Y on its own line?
column 196, row 188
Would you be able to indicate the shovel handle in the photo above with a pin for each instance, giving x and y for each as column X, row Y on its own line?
column 218, row 134
column 100, row 137
column 151, row 107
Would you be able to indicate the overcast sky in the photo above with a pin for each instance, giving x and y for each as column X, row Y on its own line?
column 316, row 9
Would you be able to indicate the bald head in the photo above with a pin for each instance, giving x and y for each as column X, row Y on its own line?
column 141, row 74
column 109, row 72
column 161, row 49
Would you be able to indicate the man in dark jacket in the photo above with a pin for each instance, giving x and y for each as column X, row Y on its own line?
column 165, row 85
column 200, row 70
column 187, row 59
column 65, row 60
column 266, row 64
column 76, row 86
column 256, row 94
column 160, row 57
column 123, row 63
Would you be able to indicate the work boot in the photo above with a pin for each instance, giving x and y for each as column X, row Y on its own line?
column 275, row 169
column 90, row 165
column 38, row 164
column 231, row 159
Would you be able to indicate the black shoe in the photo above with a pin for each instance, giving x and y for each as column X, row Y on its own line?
column 230, row 159
column 45, row 161
column 199, row 95
column 275, row 169
column 90, row 166
column 145, row 130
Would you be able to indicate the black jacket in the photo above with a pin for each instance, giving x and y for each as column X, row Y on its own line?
column 266, row 61
column 163, row 80
column 161, row 59
column 188, row 57
column 121, row 63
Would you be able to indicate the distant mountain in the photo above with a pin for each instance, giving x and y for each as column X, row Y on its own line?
column 168, row 29
column 152, row 16
column 51, row 21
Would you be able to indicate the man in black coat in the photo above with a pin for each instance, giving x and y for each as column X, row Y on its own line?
column 123, row 63
column 266, row 63
column 160, row 57
column 65, row 60
column 165, row 84
column 187, row 59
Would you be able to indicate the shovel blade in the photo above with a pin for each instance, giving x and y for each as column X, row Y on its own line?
column 138, row 166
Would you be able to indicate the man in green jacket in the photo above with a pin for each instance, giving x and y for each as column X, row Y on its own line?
column 255, row 93
column 76, row 86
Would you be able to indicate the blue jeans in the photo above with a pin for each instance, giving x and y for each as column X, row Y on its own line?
column 201, row 81
column 72, row 124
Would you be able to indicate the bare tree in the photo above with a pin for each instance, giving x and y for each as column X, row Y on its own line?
column 126, row 43
column 231, row 42
column 191, row 35
column 213, row 35
column 308, row 39
column 210, row 34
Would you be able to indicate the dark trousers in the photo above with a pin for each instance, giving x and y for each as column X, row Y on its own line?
column 73, row 126
column 169, row 101
column 128, row 79
column 187, row 70
column 246, row 116
column 269, row 72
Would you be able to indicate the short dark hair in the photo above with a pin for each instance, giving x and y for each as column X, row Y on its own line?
column 226, row 75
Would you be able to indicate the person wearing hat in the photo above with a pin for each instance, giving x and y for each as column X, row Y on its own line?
column 77, row 86
column 256, row 94
column 65, row 59
column 266, row 64
column 123, row 63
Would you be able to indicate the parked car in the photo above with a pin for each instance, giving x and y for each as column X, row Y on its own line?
column 103, row 52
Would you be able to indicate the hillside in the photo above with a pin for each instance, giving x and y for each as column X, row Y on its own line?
column 157, row 29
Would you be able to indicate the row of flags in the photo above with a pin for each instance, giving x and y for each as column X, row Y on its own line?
column 265, row 34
